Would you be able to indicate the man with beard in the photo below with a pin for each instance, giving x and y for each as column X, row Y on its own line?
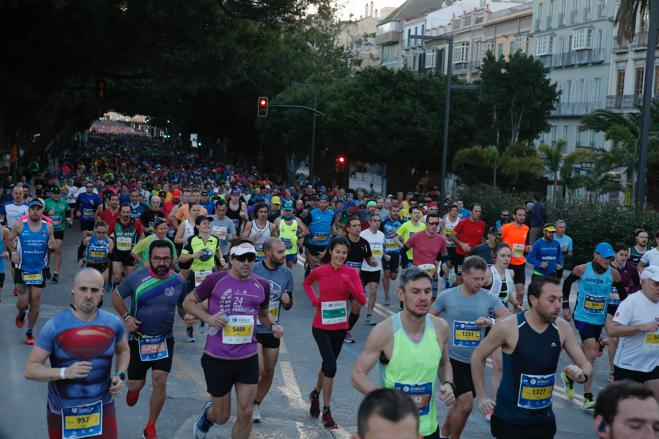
column 148, row 217
column 531, row 342
column 155, row 292
column 125, row 234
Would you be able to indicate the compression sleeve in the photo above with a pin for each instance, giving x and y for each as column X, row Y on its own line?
column 567, row 287
column 622, row 291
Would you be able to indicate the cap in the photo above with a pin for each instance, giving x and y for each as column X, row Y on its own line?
column 651, row 272
column 235, row 191
column 55, row 188
column 549, row 228
column 36, row 202
column 275, row 200
column 605, row 250
column 288, row 206
column 242, row 249
column 324, row 198
column 267, row 186
column 348, row 203
column 158, row 221
column 371, row 204
column 433, row 204
column 201, row 218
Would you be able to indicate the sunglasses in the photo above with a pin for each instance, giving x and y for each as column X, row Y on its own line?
column 247, row 257
column 433, row 223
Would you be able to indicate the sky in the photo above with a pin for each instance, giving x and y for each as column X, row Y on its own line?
column 356, row 7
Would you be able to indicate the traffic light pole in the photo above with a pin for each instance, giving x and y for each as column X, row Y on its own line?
column 313, row 137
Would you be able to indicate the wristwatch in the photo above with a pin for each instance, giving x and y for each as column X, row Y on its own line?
column 450, row 383
column 121, row 375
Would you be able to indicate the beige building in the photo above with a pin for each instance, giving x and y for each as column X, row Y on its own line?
column 358, row 37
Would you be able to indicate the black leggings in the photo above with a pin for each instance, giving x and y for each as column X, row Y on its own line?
column 329, row 344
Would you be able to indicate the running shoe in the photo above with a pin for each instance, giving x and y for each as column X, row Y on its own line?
column 387, row 302
column 314, row 409
column 20, row 320
column 569, row 386
column 588, row 401
column 349, row 338
column 29, row 339
column 367, row 320
column 55, row 278
column 150, row 431
column 202, row 327
column 202, row 425
column 256, row 416
column 190, row 338
column 131, row 397
column 328, row 421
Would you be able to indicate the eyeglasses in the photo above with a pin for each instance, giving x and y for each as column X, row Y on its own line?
column 247, row 257
column 433, row 223
column 89, row 187
column 157, row 259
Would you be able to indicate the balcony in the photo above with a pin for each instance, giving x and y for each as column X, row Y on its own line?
column 623, row 102
column 464, row 68
column 585, row 14
column 573, row 17
column 548, row 20
column 536, row 26
column 573, row 109
column 561, row 19
column 600, row 10
column 391, row 37
column 578, row 57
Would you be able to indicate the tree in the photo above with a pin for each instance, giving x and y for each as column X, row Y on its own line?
column 552, row 159
column 626, row 17
column 474, row 164
column 521, row 164
column 516, row 98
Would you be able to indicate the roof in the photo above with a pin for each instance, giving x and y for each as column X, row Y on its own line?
column 414, row 8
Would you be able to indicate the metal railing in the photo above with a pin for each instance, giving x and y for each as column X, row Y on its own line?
column 623, row 102
column 574, row 108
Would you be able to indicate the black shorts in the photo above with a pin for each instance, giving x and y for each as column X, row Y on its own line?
column 501, row 429
column 267, row 340
column 100, row 267
column 2, row 280
column 611, row 309
column 588, row 330
column 457, row 261
column 86, row 224
column 221, row 374
column 59, row 234
column 392, row 264
column 519, row 273
column 462, row 378
column 122, row 256
column 137, row 368
column 620, row 374
column 434, row 435
column 18, row 279
column 370, row 276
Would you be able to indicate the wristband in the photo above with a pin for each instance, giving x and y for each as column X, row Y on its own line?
column 566, row 304
column 584, row 379
column 493, row 321
column 62, row 373
column 125, row 316
column 121, row 375
column 450, row 383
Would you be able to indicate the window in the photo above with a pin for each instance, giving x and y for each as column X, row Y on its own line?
column 499, row 50
column 389, row 53
column 582, row 38
column 540, row 12
column 431, row 58
column 620, row 82
column 461, row 52
column 597, row 84
column 543, row 45
column 639, row 77
column 520, row 44
column 565, row 132
column 488, row 47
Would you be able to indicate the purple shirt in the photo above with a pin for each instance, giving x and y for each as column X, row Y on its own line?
column 242, row 301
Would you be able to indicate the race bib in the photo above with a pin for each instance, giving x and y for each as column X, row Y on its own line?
column 429, row 268
column 124, row 243
column 466, row 334
column 238, row 330
column 319, row 237
column 274, row 311
column 535, row 391
column 421, row 394
column 390, row 245
column 355, row 265
column 82, row 421
column 564, row 248
column 153, row 348
column 376, row 249
column 594, row 304
column 220, row 232
column 57, row 220
column 199, row 277
column 32, row 278
column 333, row 312
column 614, row 297
column 88, row 213
column 287, row 243
column 518, row 250
column 260, row 255
column 652, row 340
column 98, row 255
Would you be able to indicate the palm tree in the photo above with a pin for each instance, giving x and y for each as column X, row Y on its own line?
column 552, row 158
column 568, row 178
column 626, row 17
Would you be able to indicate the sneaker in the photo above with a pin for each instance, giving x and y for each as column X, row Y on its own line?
column 588, row 401
column 190, row 338
column 314, row 408
column 201, row 425
column 131, row 397
column 569, row 386
column 349, row 338
column 20, row 320
column 202, row 327
column 256, row 416
column 387, row 302
column 328, row 421
column 367, row 320
column 150, row 431
column 55, row 278
column 29, row 339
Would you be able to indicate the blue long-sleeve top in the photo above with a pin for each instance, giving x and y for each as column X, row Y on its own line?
column 545, row 251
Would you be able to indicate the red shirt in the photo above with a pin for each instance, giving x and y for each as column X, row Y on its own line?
column 335, row 286
column 138, row 227
column 110, row 218
column 427, row 249
column 470, row 232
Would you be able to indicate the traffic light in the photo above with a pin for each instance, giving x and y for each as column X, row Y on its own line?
column 262, row 105
column 340, row 163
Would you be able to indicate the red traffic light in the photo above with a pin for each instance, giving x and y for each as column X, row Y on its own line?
column 341, row 159
column 262, row 107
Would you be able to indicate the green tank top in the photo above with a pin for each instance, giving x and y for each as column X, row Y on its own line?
column 413, row 369
column 288, row 234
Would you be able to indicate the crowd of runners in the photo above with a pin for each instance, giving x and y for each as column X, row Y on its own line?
column 162, row 234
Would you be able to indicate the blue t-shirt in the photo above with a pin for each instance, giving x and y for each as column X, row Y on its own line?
column 565, row 242
column 69, row 340
column 87, row 204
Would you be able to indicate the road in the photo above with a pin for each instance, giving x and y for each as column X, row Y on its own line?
column 285, row 410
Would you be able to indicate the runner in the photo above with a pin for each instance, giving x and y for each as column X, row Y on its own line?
column 566, row 245
column 126, row 233
column 223, row 228
column 467, row 235
column 636, row 322
column 11, row 211
column 451, row 220
column 486, row 249
column 336, row 283
column 407, row 229
column 369, row 275
column 237, row 210
column 259, row 229
column 141, row 250
column 320, row 222
column 291, row 231
column 98, row 249
column 504, row 218
column 651, row 257
column 110, row 213
column 392, row 249
column 272, row 268
column 71, row 197
column 86, row 206
column 626, row 410
column 80, row 343
column 387, row 414
column 155, row 293
column 531, row 342
column 4, row 234
column 637, row 251
column 28, row 253
column 235, row 299
column 148, row 217
column 546, row 255
column 515, row 235
column 596, row 281
column 466, row 309
column 182, row 212
column 411, row 347
column 429, row 249
column 58, row 211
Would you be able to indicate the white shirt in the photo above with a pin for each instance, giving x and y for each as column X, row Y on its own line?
column 651, row 257
column 639, row 352
column 376, row 241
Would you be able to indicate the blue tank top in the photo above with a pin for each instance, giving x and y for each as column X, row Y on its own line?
column 525, row 392
column 34, row 248
column 593, row 296
column 320, row 227
column 97, row 251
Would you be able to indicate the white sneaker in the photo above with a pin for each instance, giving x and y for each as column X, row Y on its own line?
column 256, row 416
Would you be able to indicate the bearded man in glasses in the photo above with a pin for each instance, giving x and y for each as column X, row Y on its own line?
column 429, row 250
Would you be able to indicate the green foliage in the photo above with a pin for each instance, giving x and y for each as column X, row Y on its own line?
column 476, row 164
column 521, row 164
column 492, row 200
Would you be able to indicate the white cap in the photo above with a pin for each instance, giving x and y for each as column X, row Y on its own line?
column 242, row 249
column 651, row 272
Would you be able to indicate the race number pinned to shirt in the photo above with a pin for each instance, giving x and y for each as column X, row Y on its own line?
column 199, row 276
column 274, row 310
column 333, row 313
column 319, row 237
column 32, row 278
column 220, row 232
column 82, row 421
column 535, row 391
column 518, row 250
column 355, row 265
column 376, row 249
column 153, row 348
column 238, row 330
column 124, row 243
column 614, row 297
column 287, row 243
column 652, row 339
column 466, row 334
column 57, row 220
column 594, row 304
column 429, row 268
column 421, row 394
